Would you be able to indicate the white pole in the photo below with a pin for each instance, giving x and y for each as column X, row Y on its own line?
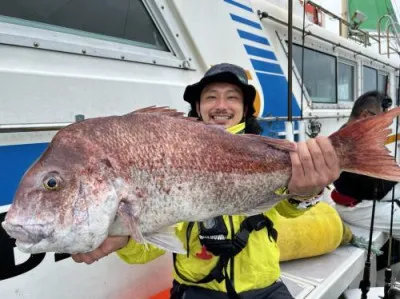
column 289, row 130
column 302, row 131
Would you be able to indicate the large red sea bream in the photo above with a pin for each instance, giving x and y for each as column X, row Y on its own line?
column 141, row 173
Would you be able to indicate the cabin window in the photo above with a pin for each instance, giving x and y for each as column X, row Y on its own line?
column 319, row 74
column 123, row 21
column 382, row 79
column 345, row 82
column 370, row 79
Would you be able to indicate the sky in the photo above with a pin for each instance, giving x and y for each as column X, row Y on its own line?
column 396, row 7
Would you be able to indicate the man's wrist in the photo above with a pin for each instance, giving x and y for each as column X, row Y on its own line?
column 301, row 201
column 285, row 191
column 307, row 197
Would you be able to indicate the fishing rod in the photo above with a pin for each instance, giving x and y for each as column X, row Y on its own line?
column 303, row 35
column 365, row 283
column 392, row 289
column 289, row 123
column 301, row 125
column 290, row 60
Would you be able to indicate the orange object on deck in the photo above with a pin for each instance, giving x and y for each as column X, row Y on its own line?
column 162, row 295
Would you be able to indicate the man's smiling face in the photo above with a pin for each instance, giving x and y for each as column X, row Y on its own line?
column 221, row 104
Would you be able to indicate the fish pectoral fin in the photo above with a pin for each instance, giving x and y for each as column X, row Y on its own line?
column 166, row 239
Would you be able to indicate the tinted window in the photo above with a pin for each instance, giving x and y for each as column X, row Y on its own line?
column 126, row 21
column 345, row 82
column 319, row 74
column 370, row 77
column 382, row 82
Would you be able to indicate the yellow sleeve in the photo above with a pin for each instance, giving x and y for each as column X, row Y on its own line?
column 136, row 253
column 288, row 210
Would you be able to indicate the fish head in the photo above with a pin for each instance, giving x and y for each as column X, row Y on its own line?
column 65, row 202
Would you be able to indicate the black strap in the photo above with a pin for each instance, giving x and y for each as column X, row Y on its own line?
column 228, row 284
column 188, row 233
column 256, row 222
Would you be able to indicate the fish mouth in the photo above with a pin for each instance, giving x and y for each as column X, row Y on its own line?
column 67, row 244
column 26, row 247
column 33, row 248
column 28, row 234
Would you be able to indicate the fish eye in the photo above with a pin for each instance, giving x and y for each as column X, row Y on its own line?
column 51, row 183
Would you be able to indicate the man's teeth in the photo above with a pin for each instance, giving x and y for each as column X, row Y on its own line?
column 221, row 117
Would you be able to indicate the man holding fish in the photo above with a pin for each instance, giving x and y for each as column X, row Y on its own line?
column 153, row 181
column 223, row 97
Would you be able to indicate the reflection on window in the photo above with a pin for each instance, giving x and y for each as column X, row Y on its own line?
column 319, row 74
column 370, row 76
column 382, row 82
column 345, row 82
column 124, row 21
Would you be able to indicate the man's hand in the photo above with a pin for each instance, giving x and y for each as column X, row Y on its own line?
column 109, row 245
column 314, row 166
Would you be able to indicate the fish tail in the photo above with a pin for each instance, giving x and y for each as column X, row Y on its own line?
column 361, row 149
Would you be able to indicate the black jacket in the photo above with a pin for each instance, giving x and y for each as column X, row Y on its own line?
column 362, row 187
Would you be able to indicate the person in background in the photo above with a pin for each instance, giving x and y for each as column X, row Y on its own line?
column 230, row 256
column 354, row 193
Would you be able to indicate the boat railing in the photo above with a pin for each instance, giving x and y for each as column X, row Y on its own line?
column 388, row 28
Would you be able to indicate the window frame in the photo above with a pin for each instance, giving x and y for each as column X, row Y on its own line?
column 178, row 55
column 396, row 88
column 315, row 104
column 382, row 73
column 370, row 67
column 348, row 104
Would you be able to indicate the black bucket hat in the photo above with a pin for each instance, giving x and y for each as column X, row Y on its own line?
column 223, row 72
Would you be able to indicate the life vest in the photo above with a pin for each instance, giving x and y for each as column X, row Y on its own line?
column 213, row 236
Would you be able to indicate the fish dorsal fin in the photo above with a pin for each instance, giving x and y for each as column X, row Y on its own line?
column 281, row 144
column 159, row 110
column 164, row 110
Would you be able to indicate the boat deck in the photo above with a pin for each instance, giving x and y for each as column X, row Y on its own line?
column 328, row 276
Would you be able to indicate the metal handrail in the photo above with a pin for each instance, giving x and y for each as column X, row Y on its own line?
column 284, row 118
column 32, row 127
column 263, row 14
column 37, row 127
column 349, row 25
column 390, row 24
column 42, row 127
